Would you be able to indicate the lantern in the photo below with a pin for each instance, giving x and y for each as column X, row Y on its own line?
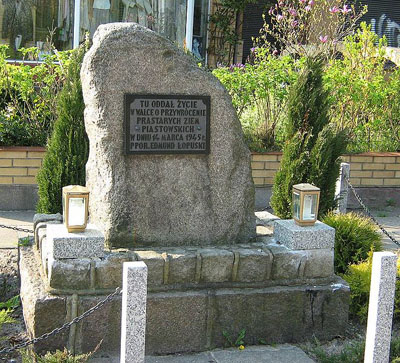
column 75, row 200
column 305, row 204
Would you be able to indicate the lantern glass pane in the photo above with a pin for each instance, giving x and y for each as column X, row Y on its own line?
column 309, row 207
column 76, row 212
column 296, row 205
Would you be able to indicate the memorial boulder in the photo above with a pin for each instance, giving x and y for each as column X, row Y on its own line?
column 168, row 165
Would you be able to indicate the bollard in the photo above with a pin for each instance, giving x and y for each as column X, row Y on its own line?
column 133, row 321
column 342, row 188
column 380, row 310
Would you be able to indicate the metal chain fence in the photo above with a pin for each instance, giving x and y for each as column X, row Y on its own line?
column 16, row 228
column 369, row 213
column 45, row 336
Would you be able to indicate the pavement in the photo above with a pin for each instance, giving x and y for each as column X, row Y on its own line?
column 252, row 354
column 389, row 218
column 23, row 219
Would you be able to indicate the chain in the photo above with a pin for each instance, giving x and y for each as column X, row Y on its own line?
column 369, row 213
column 16, row 228
column 117, row 291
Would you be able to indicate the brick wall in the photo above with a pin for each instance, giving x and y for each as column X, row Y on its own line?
column 20, row 165
column 366, row 169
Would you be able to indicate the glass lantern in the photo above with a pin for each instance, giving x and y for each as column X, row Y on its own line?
column 75, row 200
column 305, row 203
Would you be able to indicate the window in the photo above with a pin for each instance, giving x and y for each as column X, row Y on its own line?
column 26, row 23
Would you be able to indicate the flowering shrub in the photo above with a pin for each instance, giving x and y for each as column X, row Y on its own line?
column 309, row 27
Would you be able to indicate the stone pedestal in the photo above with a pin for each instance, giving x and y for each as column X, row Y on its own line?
column 62, row 244
column 319, row 236
column 317, row 242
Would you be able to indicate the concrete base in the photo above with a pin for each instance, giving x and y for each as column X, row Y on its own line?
column 18, row 197
column 187, row 320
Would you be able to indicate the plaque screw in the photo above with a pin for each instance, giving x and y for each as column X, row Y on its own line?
column 137, row 128
column 198, row 128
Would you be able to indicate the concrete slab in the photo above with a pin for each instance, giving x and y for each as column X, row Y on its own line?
column 22, row 218
column 253, row 354
column 389, row 218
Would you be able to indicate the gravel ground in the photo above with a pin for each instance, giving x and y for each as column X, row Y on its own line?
column 14, row 333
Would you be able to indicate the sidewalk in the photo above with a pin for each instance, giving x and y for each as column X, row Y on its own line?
column 23, row 219
column 253, row 354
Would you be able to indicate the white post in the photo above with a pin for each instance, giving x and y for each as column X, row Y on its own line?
column 133, row 321
column 189, row 24
column 342, row 188
column 77, row 23
column 380, row 310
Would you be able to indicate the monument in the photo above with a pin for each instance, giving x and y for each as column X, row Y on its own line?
column 170, row 183
column 167, row 165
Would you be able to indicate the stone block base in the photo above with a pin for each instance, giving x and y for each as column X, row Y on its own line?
column 191, row 318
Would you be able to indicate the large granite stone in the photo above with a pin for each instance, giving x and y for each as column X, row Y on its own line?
column 161, row 200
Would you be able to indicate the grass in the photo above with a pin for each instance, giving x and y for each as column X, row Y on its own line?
column 352, row 352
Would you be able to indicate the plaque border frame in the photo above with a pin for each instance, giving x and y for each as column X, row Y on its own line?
column 130, row 97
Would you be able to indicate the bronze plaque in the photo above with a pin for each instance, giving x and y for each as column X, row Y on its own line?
column 167, row 124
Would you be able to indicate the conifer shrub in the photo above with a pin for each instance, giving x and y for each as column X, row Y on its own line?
column 68, row 147
column 355, row 236
column 312, row 151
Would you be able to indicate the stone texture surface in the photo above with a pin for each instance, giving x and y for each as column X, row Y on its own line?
column 265, row 218
column 287, row 264
column 191, row 320
column 39, row 306
column 45, row 218
column 133, row 321
column 69, row 274
column 282, row 314
column 176, row 322
column 164, row 200
column 342, row 188
column 216, row 265
column 182, row 266
column 62, row 244
column 252, row 354
column 295, row 237
column 104, row 325
column 320, row 263
column 254, row 265
column 109, row 269
column 380, row 309
column 155, row 264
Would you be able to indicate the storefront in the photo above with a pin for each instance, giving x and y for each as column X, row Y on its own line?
column 26, row 23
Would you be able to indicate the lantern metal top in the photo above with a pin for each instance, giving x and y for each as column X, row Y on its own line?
column 75, row 189
column 306, row 187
